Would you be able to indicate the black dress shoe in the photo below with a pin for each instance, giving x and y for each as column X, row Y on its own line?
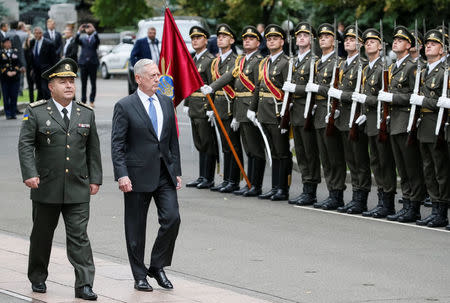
column 39, row 287
column 85, row 292
column 160, row 276
column 241, row 191
column 195, row 182
column 231, row 187
column 205, row 184
column 268, row 195
column 218, row 187
column 280, row 195
column 295, row 200
column 253, row 192
column 142, row 285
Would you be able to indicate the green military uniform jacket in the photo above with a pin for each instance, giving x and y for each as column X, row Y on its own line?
column 197, row 102
column 372, row 84
column 224, row 108
column 300, row 77
column 401, row 84
column 431, row 88
column 66, row 161
column 324, row 73
column 268, row 111
column 10, row 62
column 244, row 97
column 348, row 75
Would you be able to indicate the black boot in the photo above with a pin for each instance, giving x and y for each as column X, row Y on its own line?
column 361, row 204
column 355, row 197
column 259, row 165
column 210, row 165
column 250, row 161
column 413, row 213
column 320, row 203
column 226, row 172
column 337, row 199
column 309, row 195
column 387, row 207
column 427, row 202
column 441, row 220
column 234, row 177
column 201, row 169
column 275, row 180
column 377, row 207
column 406, row 204
column 434, row 212
column 282, row 193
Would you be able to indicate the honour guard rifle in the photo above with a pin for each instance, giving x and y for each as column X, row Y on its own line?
column 382, row 121
column 308, row 114
column 333, row 104
column 443, row 112
column 287, row 98
column 355, row 109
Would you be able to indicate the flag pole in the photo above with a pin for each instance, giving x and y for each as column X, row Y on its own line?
column 228, row 140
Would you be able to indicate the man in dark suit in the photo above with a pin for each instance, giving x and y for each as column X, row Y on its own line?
column 147, row 47
column 59, row 154
column 146, row 159
column 54, row 36
column 44, row 57
column 88, row 60
column 70, row 49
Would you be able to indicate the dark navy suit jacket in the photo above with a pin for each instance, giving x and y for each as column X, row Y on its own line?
column 89, row 48
column 141, row 50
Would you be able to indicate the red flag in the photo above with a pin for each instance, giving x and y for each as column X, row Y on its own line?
column 180, row 77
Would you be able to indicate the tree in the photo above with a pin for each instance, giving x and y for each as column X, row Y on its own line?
column 3, row 11
column 117, row 13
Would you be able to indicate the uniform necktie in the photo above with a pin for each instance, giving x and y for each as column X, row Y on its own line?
column 152, row 114
column 36, row 49
column 66, row 118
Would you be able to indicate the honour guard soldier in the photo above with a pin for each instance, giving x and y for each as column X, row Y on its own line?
column 246, row 84
column 407, row 156
column 434, row 153
column 381, row 158
column 59, row 154
column 331, row 151
column 273, row 72
column 306, row 149
column 353, row 138
column 10, row 66
column 197, row 105
column 223, row 100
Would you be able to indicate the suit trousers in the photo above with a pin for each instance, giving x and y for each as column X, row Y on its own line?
column 88, row 70
column 136, row 209
column 409, row 167
column 10, row 89
column 41, row 86
column 382, row 164
column 204, row 136
column 252, row 140
column 307, row 154
column 279, row 143
column 356, row 155
column 436, row 171
column 79, row 253
column 331, row 154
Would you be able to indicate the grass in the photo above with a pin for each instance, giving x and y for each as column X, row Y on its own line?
column 22, row 99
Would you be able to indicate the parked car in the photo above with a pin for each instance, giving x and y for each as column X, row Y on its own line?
column 184, row 24
column 116, row 61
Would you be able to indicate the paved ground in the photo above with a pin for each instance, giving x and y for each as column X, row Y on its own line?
column 266, row 250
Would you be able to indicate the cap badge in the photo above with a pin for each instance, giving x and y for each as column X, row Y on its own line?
column 400, row 31
column 222, row 28
column 195, row 30
column 350, row 30
column 303, row 27
column 67, row 67
column 249, row 30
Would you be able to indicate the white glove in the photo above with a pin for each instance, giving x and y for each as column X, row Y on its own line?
column 335, row 93
column 289, row 87
column 385, row 97
column 313, row 111
column 416, row 99
column 206, row 89
column 283, row 131
column 312, row 88
column 444, row 102
column 234, row 125
column 210, row 115
column 361, row 119
column 185, row 109
column 251, row 115
column 361, row 98
column 337, row 113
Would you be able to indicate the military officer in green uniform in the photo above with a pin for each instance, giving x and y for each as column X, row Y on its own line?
column 381, row 158
column 224, row 102
column 435, row 157
column 331, row 151
column 305, row 140
column 197, row 105
column 59, row 154
column 273, row 72
column 246, row 85
column 407, row 156
column 354, row 140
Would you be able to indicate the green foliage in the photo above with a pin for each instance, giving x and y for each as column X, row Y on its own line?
column 3, row 10
column 116, row 13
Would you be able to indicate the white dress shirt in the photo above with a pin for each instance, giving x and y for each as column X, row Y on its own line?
column 198, row 56
column 159, row 114
column 154, row 51
column 60, row 108
column 66, row 45
column 224, row 56
column 372, row 63
column 325, row 57
column 302, row 56
column 274, row 57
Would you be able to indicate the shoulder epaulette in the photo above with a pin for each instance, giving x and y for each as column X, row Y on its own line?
column 37, row 103
column 209, row 55
column 84, row 105
column 259, row 56
column 286, row 56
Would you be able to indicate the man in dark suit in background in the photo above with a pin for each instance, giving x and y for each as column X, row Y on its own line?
column 44, row 57
column 70, row 48
column 146, row 159
column 88, row 60
column 54, row 36
column 147, row 47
